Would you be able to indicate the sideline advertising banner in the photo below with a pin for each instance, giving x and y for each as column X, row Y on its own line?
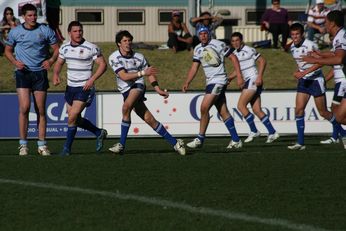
column 180, row 114
column 56, row 117
column 16, row 5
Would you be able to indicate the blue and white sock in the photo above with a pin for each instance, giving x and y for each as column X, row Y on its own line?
column 125, row 126
column 250, row 121
column 266, row 122
column 231, row 129
column 71, row 133
column 161, row 130
column 87, row 125
column 300, row 122
column 41, row 143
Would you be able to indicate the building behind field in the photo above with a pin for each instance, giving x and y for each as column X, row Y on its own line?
column 148, row 19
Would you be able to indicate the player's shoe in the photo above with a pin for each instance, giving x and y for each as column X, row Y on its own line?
column 272, row 137
column 65, row 152
column 117, row 148
column 251, row 136
column 179, row 147
column 100, row 138
column 296, row 147
column 330, row 140
column 235, row 145
column 196, row 143
column 23, row 150
column 344, row 141
column 43, row 150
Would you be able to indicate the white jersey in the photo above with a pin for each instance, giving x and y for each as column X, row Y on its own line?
column 136, row 62
column 314, row 14
column 339, row 42
column 214, row 75
column 79, row 60
column 302, row 50
column 247, row 57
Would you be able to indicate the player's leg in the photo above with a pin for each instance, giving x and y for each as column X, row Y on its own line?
column 245, row 97
column 301, row 101
column 23, row 118
column 221, row 107
column 257, row 109
column 143, row 112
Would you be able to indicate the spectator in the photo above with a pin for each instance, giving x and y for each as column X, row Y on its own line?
column 316, row 19
column 206, row 20
column 179, row 37
column 8, row 21
column 276, row 21
column 53, row 17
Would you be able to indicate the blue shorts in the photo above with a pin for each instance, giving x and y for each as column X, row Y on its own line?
column 314, row 87
column 250, row 84
column 339, row 92
column 139, row 87
column 77, row 93
column 34, row 80
column 216, row 89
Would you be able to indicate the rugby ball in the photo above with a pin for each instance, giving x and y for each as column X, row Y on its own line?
column 211, row 57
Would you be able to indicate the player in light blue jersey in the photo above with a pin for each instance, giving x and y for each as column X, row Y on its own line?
column 80, row 56
column 130, row 69
column 211, row 54
column 310, row 83
column 30, row 43
column 252, row 88
column 337, row 58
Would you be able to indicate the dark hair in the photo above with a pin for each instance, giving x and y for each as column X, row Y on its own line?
column 4, row 19
column 74, row 23
column 123, row 33
column 297, row 26
column 205, row 13
column 275, row 1
column 28, row 7
column 337, row 17
column 237, row 34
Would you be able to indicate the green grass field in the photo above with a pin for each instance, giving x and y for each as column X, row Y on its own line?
column 260, row 187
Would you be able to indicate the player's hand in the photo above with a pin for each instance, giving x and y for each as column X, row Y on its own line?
column 56, row 80
column 259, row 81
column 240, row 83
column 185, row 87
column 19, row 65
column 298, row 74
column 164, row 93
column 46, row 64
column 89, row 84
column 151, row 71
column 308, row 59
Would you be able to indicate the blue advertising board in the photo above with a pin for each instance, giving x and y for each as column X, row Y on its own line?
column 56, row 112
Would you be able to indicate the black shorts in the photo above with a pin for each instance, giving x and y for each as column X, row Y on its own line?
column 77, row 93
column 35, row 80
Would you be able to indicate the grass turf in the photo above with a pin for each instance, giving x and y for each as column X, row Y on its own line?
column 265, row 181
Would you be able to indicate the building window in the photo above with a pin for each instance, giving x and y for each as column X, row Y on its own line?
column 165, row 16
column 131, row 17
column 253, row 17
column 90, row 17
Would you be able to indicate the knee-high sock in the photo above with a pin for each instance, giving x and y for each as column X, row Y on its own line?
column 71, row 133
column 231, row 129
column 87, row 125
column 125, row 126
column 265, row 120
column 250, row 121
column 161, row 130
column 337, row 128
column 300, row 129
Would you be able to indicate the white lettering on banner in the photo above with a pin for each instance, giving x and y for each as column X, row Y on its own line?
column 180, row 114
column 50, row 109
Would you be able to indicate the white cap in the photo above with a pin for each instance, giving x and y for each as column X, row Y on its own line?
column 319, row 1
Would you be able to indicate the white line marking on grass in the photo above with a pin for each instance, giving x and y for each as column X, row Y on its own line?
column 166, row 203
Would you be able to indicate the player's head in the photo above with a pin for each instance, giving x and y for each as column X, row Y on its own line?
column 236, row 40
column 208, row 20
column 335, row 20
column 297, row 33
column 29, row 13
column 119, row 36
column 204, row 34
column 75, row 31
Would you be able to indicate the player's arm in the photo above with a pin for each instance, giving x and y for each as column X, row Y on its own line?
column 329, row 75
column 153, row 81
column 191, row 75
column 101, row 68
column 261, row 63
column 49, row 62
column 336, row 59
column 9, row 55
column 300, row 74
column 127, row 76
column 236, row 65
column 56, row 71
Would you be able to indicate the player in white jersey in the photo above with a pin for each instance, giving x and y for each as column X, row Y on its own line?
column 310, row 83
column 252, row 89
column 336, row 57
column 211, row 53
column 130, row 69
column 79, row 55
